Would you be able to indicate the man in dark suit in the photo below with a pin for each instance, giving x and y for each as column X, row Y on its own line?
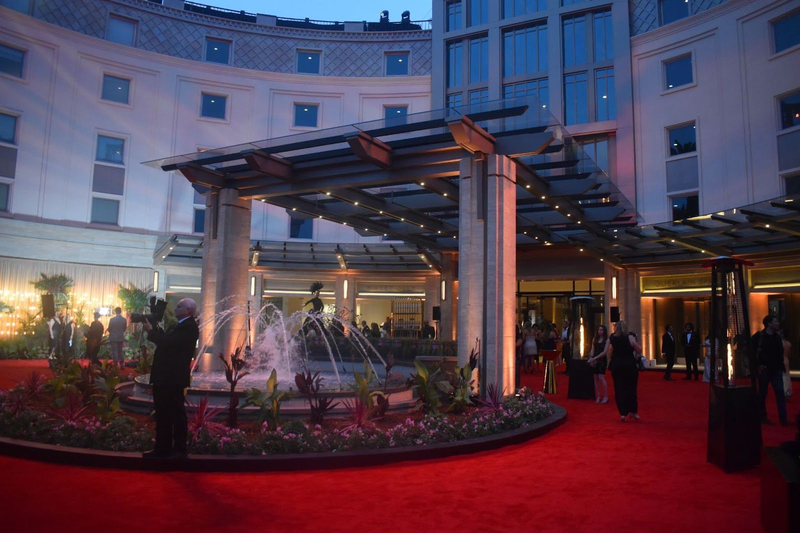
column 94, row 338
column 691, row 350
column 175, row 349
column 668, row 351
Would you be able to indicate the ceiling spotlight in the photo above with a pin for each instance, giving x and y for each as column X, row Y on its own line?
column 422, row 184
column 380, row 212
column 402, row 220
column 328, row 193
column 527, row 186
column 293, row 209
column 445, row 194
column 543, row 197
column 355, row 203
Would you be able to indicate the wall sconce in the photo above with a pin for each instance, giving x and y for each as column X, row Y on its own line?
column 346, row 287
column 252, row 285
column 614, row 287
column 256, row 255
column 155, row 281
column 443, row 288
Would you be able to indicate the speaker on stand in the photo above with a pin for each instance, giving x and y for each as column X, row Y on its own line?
column 48, row 306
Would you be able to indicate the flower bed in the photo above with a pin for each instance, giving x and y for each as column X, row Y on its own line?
column 125, row 433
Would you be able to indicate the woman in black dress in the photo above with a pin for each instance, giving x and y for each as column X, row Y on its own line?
column 598, row 362
column 622, row 362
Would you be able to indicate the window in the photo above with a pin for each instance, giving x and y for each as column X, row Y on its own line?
column 574, row 34
column 479, row 59
column 786, row 32
column 597, row 151
column 110, row 149
column 301, row 228
column 672, row 10
column 481, row 96
column 23, row 6
column 603, row 36
column 678, row 72
column 513, row 8
column 576, row 99
column 525, row 50
column 214, row 106
column 682, row 139
column 572, row 2
column 792, row 187
column 454, row 101
column 8, row 128
column 537, row 88
column 218, row 51
column 308, row 62
column 121, row 30
column 478, row 12
column 395, row 114
column 105, row 211
column 453, row 15
column 11, row 61
column 305, row 115
column 199, row 220
column 115, row 89
column 397, row 64
column 685, row 207
column 454, row 64
column 606, row 101
column 790, row 110
column 5, row 192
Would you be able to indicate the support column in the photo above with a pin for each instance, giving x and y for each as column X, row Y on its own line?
column 629, row 296
column 431, row 298
column 487, row 267
column 225, row 269
column 449, row 300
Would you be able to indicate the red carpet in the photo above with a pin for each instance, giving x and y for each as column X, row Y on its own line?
column 592, row 474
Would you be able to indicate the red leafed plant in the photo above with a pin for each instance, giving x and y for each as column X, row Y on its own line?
column 201, row 418
column 71, row 408
column 309, row 385
column 32, row 384
column 234, row 371
column 494, row 398
column 359, row 413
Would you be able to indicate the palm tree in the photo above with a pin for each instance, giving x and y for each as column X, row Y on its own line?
column 134, row 299
column 58, row 285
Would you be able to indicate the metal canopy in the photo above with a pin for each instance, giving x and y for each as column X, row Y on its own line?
column 398, row 178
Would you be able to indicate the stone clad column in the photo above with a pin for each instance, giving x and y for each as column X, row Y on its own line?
column 448, row 304
column 226, row 258
column 487, row 267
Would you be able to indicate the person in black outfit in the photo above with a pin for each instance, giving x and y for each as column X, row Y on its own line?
column 311, row 322
column 691, row 350
column 94, row 337
column 175, row 349
column 668, row 351
column 622, row 362
column 769, row 352
column 428, row 331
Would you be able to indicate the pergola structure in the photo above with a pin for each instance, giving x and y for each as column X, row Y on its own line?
column 480, row 179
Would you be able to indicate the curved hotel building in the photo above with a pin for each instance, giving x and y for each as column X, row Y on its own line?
column 545, row 148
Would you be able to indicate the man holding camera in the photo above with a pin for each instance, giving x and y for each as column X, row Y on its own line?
column 169, row 377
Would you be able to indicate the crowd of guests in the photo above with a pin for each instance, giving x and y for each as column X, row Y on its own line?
column 62, row 330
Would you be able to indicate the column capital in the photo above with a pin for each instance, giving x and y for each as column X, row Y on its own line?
column 501, row 165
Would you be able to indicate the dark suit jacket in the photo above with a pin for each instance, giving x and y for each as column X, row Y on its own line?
column 174, row 352
column 668, row 345
column 691, row 349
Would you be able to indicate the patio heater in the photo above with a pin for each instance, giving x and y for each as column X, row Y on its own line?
column 581, row 375
column 734, row 423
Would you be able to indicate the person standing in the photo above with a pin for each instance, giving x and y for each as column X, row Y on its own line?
column 768, row 347
column 116, row 337
column 691, row 350
column 622, row 361
column 428, row 331
column 598, row 361
column 566, row 351
column 530, row 351
column 175, row 349
column 668, row 351
column 93, row 339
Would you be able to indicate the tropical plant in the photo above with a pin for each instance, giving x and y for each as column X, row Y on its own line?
column 359, row 413
column 234, row 371
column 32, row 384
column 269, row 402
column 309, row 385
column 58, row 285
column 71, row 409
column 494, row 398
column 424, row 383
column 134, row 299
column 5, row 308
column 202, row 419
column 106, row 398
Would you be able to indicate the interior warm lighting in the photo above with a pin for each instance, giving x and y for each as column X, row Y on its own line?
column 443, row 285
column 155, row 281
column 346, row 288
column 775, row 285
column 730, row 365
column 583, row 339
column 252, row 285
column 669, row 291
column 613, row 286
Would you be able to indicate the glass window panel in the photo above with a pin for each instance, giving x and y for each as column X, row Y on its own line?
column 454, row 64
column 478, row 59
column 199, row 220
column 792, row 187
column 109, row 180
column 397, row 64
column 301, row 228
column 603, row 37
column 574, row 40
column 672, row 10
column 786, row 32
column 110, row 149
column 199, row 198
column 121, row 31
column 8, row 128
column 678, row 72
column 395, row 114
column 105, row 211
column 308, row 62
column 542, row 46
column 478, row 12
column 115, row 89
column 305, row 115
column 513, row 8
column 214, row 106
column 5, row 191
column 525, row 50
column 790, row 111
column 23, row 6
column 454, row 101
column 683, row 139
column 11, row 61
column 576, row 104
column 508, row 53
column 218, row 51
column 454, row 15
column 685, row 207
column 604, row 94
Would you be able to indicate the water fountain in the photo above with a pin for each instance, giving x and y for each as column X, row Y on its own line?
column 304, row 340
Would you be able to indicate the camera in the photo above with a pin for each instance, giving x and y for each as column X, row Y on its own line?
column 157, row 309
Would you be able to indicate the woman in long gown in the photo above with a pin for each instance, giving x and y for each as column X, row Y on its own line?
column 622, row 362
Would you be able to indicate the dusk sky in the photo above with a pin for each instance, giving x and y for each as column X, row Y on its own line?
column 351, row 10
